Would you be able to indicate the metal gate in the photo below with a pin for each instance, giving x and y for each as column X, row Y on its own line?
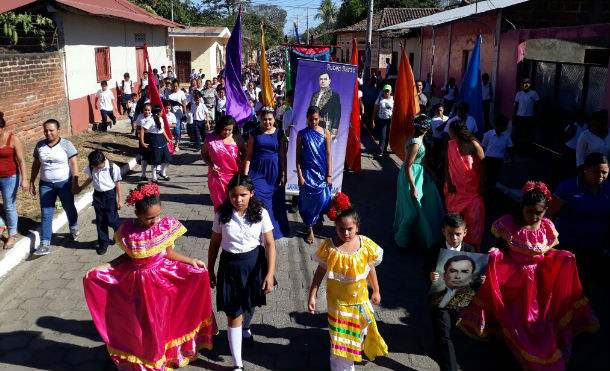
column 566, row 87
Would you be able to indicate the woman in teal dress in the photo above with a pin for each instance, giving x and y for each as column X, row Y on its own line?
column 419, row 209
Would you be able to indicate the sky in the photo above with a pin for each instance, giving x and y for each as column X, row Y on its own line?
column 297, row 8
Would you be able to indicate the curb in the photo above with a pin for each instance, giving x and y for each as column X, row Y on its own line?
column 26, row 245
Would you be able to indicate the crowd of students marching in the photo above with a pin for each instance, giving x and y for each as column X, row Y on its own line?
column 152, row 305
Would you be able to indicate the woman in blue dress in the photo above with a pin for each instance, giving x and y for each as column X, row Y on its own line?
column 314, row 169
column 266, row 166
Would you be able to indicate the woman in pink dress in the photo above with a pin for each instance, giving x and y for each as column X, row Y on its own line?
column 224, row 153
column 151, row 305
column 532, row 296
column 465, row 174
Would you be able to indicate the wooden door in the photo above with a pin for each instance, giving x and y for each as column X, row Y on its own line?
column 183, row 65
column 140, row 65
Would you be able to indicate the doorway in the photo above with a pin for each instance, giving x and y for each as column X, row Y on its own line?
column 183, row 65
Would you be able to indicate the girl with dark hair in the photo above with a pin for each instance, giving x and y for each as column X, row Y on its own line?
column 532, row 295
column 464, row 175
column 154, row 139
column 266, row 165
column 350, row 259
column 582, row 207
column 246, row 269
column 224, row 153
column 152, row 306
column 419, row 208
column 146, row 118
column 314, row 169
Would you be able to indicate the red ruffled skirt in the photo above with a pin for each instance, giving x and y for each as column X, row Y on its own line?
column 153, row 313
column 536, row 303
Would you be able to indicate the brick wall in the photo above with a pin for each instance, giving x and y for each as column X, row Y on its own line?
column 32, row 91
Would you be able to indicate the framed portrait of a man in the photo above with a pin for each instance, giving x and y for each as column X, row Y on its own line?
column 461, row 274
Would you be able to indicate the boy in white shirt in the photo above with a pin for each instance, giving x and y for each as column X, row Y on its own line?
column 126, row 88
column 107, row 197
column 171, row 118
column 382, row 116
column 131, row 110
column 221, row 103
column 200, row 118
column 496, row 143
column 104, row 101
column 523, row 119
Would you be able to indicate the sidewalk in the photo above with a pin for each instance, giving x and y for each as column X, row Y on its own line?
column 45, row 323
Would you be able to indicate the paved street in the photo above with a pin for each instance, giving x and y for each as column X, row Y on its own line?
column 45, row 323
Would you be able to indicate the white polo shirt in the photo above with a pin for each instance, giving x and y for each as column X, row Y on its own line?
column 471, row 124
column 240, row 236
column 495, row 145
column 105, row 98
column 199, row 111
column 102, row 181
column 588, row 143
column 150, row 125
column 436, row 123
column 54, row 161
column 526, row 102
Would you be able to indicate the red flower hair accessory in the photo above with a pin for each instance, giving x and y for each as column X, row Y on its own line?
column 339, row 203
column 142, row 191
column 537, row 186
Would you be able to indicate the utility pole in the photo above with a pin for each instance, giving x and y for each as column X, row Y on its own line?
column 307, row 25
column 173, row 43
column 369, row 37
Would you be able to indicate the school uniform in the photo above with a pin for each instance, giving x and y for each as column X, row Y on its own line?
column 105, row 98
column 199, row 113
column 243, row 264
column 157, row 152
column 443, row 320
column 523, row 121
column 126, row 90
column 495, row 148
column 105, row 201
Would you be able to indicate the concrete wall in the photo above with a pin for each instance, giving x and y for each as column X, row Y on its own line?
column 34, row 93
column 82, row 34
column 556, row 50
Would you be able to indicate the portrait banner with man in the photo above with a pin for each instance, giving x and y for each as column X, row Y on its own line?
column 330, row 87
column 461, row 274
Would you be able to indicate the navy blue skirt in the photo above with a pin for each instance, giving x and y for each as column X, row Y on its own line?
column 158, row 153
column 240, row 280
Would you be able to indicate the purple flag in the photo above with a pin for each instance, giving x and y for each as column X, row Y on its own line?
column 238, row 104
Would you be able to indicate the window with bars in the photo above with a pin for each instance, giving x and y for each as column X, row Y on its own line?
column 140, row 37
column 102, row 63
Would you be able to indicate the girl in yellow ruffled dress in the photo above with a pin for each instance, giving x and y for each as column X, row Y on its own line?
column 349, row 259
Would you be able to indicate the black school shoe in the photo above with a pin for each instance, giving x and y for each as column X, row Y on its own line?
column 248, row 342
column 101, row 250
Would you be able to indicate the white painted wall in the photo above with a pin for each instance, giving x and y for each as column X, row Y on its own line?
column 84, row 33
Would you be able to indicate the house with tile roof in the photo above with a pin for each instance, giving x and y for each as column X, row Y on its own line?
column 96, row 41
column 199, row 48
column 385, row 45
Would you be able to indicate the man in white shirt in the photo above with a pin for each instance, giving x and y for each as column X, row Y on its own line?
column 462, row 109
column 200, row 119
column 221, row 104
column 523, row 119
column 163, row 73
column 104, row 101
column 382, row 116
column 423, row 100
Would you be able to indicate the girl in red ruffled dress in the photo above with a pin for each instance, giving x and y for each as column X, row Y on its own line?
column 532, row 296
column 151, row 305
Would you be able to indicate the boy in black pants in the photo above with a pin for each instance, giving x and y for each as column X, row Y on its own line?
column 444, row 319
column 107, row 197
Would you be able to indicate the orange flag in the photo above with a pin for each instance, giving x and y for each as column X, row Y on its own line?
column 406, row 106
column 352, row 152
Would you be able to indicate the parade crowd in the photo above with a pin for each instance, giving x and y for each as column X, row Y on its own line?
column 152, row 305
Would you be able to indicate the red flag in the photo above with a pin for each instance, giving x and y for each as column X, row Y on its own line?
column 352, row 151
column 406, row 106
column 155, row 100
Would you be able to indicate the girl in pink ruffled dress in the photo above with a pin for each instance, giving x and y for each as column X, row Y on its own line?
column 151, row 306
column 532, row 296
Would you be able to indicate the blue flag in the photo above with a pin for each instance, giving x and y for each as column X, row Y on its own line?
column 470, row 90
column 238, row 104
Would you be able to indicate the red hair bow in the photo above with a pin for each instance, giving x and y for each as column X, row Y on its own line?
column 537, row 186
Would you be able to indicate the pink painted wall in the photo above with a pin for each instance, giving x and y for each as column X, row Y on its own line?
column 463, row 37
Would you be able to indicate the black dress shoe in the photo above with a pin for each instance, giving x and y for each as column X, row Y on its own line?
column 248, row 342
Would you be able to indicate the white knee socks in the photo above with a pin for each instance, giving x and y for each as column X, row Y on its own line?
column 234, row 335
column 245, row 324
column 164, row 169
column 154, row 173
